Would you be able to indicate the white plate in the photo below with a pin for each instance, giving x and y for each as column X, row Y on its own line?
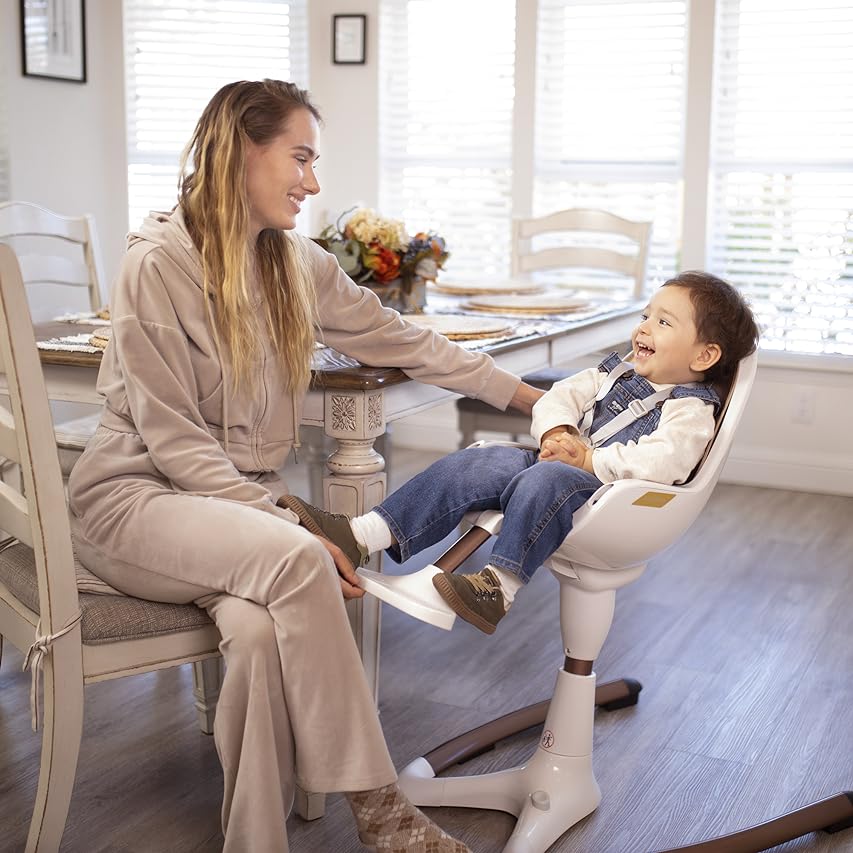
column 486, row 286
column 537, row 303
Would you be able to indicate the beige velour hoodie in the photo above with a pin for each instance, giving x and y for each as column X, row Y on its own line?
column 162, row 377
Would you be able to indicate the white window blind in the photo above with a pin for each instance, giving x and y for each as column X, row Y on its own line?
column 178, row 53
column 446, row 101
column 782, row 151
column 609, row 114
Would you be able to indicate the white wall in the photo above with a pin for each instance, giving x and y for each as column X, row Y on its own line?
column 348, row 97
column 67, row 151
column 797, row 431
column 66, row 140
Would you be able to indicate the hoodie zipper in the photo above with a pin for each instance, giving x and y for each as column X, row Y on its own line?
column 256, row 428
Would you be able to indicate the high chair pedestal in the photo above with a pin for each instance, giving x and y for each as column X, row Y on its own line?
column 552, row 791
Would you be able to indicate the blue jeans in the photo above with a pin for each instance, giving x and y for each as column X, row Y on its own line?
column 537, row 499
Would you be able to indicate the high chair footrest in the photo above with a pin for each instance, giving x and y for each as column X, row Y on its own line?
column 413, row 594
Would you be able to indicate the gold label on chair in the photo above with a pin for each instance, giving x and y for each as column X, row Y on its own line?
column 654, row 499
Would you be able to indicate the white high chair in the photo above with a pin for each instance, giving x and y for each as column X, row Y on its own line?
column 556, row 787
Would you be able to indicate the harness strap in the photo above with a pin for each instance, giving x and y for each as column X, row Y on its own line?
column 636, row 409
column 609, row 382
column 35, row 660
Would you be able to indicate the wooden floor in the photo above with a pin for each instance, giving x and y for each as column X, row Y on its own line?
column 742, row 635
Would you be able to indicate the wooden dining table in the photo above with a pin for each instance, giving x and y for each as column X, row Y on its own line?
column 355, row 403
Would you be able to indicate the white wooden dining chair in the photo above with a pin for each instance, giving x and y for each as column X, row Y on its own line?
column 70, row 639
column 55, row 250
column 594, row 249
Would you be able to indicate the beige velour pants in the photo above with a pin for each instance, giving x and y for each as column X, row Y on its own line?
column 295, row 705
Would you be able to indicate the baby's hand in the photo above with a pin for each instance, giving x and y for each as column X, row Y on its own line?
column 567, row 448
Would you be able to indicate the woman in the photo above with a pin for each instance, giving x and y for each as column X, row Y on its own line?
column 215, row 314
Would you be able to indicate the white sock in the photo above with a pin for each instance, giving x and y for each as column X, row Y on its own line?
column 372, row 532
column 510, row 584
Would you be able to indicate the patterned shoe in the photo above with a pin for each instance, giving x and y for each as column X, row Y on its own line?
column 388, row 822
column 476, row 598
column 330, row 525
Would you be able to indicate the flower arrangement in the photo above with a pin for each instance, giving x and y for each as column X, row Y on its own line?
column 374, row 250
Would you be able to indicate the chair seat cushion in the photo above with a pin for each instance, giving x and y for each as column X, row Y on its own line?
column 74, row 434
column 543, row 379
column 547, row 376
column 106, row 618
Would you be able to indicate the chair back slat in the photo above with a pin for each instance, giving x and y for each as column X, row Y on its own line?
column 578, row 256
column 43, row 501
column 8, row 436
column 50, row 269
column 15, row 514
column 22, row 219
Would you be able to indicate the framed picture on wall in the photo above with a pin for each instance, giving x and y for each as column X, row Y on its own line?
column 53, row 39
column 349, row 39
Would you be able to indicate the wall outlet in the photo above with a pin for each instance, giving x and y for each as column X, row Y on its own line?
column 804, row 404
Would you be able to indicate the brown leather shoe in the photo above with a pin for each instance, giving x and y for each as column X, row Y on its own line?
column 476, row 598
column 330, row 525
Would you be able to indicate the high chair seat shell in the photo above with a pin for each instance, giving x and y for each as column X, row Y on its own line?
column 614, row 535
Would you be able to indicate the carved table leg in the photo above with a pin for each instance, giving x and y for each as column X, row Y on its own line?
column 356, row 483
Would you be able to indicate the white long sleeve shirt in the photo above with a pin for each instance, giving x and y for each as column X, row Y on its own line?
column 667, row 455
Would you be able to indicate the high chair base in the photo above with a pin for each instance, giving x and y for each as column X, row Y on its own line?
column 547, row 795
column 552, row 791
column 610, row 696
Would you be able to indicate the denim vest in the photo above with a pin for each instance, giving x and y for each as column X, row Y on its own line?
column 629, row 386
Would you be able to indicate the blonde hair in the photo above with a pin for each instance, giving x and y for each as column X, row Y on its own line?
column 216, row 207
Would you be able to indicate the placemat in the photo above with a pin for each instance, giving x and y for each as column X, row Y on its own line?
column 89, row 318
column 70, row 343
column 101, row 338
column 459, row 327
column 543, row 303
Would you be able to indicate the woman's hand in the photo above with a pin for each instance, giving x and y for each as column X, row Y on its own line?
column 567, row 448
column 524, row 398
column 350, row 582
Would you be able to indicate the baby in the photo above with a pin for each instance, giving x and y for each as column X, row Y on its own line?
column 651, row 418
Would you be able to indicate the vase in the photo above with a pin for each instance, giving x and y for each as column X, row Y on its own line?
column 393, row 294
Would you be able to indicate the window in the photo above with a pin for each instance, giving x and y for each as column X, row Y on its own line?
column 609, row 114
column 782, row 167
column 446, row 106
column 177, row 55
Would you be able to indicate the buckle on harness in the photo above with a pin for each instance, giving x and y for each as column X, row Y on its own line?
column 638, row 408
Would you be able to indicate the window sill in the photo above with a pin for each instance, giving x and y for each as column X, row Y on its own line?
column 805, row 361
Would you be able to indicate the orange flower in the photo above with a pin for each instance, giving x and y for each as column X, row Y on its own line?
column 384, row 263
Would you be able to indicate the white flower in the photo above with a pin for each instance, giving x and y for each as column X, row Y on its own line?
column 366, row 226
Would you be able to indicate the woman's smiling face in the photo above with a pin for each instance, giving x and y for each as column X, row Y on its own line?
column 280, row 174
column 666, row 349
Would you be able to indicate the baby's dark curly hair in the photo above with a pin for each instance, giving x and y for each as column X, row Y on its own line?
column 722, row 317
